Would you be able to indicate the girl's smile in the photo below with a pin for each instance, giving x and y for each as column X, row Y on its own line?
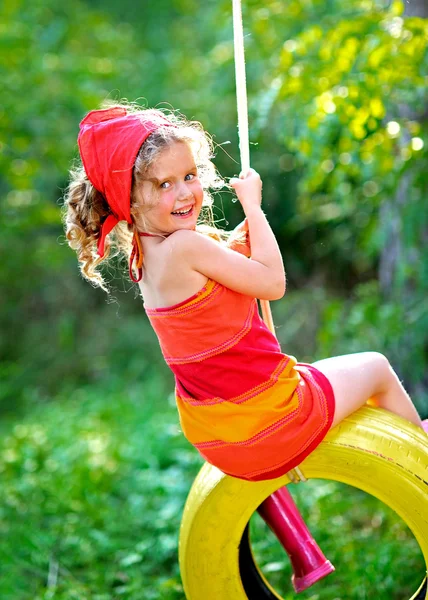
column 171, row 191
column 183, row 213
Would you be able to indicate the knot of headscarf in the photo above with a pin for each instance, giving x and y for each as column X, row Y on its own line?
column 109, row 141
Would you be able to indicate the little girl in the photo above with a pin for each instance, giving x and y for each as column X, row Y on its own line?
column 248, row 408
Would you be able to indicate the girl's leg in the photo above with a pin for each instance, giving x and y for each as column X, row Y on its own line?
column 357, row 377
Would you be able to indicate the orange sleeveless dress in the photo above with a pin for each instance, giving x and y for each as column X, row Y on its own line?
column 249, row 409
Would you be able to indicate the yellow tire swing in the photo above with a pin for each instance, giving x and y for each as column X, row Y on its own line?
column 372, row 449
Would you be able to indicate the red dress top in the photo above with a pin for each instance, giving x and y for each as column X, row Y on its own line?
column 248, row 408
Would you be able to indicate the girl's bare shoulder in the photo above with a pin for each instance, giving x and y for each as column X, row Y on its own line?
column 170, row 279
column 183, row 237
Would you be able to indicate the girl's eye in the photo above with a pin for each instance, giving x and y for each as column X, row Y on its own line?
column 167, row 184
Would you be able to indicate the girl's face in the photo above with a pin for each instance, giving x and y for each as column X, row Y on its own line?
column 171, row 191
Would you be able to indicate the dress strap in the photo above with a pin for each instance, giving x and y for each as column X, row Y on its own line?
column 137, row 255
column 143, row 233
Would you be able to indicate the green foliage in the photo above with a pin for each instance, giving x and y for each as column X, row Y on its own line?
column 396, row 329
column 93, row 488
column 343, row 81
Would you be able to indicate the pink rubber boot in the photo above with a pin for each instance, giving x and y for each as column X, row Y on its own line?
column 308, row 562
column 425, row 425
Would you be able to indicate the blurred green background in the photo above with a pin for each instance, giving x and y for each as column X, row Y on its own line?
column 94, row 470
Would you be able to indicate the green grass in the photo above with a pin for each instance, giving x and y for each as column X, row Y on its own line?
column 93, row 487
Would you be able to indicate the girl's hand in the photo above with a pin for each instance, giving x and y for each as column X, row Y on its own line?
column 248, row 188
column 239, row 239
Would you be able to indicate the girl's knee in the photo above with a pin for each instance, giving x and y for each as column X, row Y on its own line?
column 380, row 360
column 381, row 367
column 383, row 363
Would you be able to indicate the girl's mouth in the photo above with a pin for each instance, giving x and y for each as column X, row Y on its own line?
column 183, row 213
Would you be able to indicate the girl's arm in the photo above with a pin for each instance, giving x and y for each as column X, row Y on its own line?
column 262, row 276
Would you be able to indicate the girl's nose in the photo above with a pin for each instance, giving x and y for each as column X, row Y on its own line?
column 184, row 193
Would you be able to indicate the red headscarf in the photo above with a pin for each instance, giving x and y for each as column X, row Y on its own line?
column 109, row 141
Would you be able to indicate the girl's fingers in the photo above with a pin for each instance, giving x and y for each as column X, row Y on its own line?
column 236, row 182
column 242, row 175
column 250, row 173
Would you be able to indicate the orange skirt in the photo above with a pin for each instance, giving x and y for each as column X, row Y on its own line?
column 288, row 444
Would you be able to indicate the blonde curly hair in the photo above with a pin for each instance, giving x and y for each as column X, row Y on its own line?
column 85, row 208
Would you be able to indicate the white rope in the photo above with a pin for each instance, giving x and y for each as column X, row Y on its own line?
column 242, row 105
column 241, row 86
